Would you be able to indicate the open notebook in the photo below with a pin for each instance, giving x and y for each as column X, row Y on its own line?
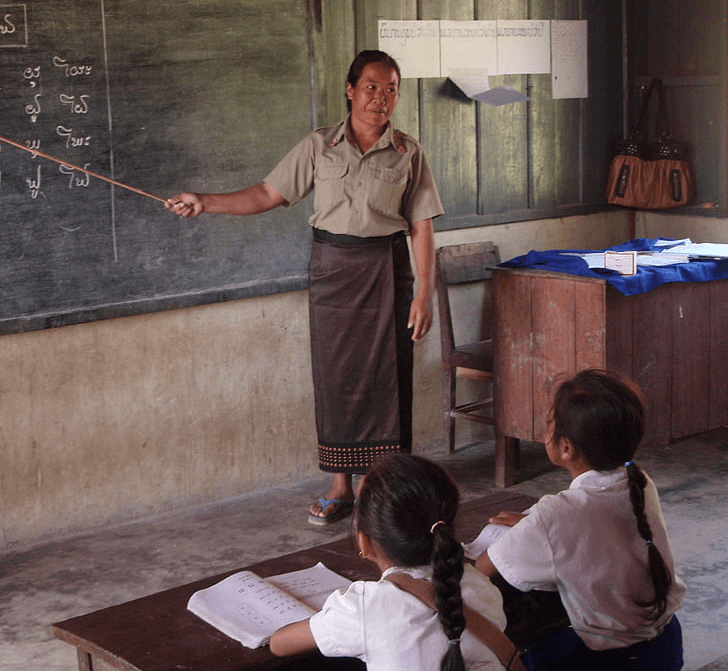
column 249, row 608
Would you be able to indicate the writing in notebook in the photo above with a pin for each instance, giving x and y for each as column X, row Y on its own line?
column 248, row 608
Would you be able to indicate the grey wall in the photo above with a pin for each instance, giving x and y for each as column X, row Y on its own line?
column 105, row 422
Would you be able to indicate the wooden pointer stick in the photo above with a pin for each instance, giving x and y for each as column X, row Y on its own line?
column 75, row 167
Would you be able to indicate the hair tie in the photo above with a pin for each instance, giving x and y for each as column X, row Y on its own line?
column 453, row 641
column 627, row 464
column 432, row 528
column 650, row 544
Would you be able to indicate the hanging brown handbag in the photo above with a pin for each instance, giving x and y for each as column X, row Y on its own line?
column 650, row 175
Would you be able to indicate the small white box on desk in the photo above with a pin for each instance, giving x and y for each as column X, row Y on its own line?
column 625, row 263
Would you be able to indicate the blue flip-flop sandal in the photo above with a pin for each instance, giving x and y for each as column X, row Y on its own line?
column 344, row 510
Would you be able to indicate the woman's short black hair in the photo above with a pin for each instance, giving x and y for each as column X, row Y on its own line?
column 367, row 57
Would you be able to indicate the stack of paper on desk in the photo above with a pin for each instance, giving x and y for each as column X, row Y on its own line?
column 661, row 258
column 701, row 249
column 249, row 609
column 667, row 257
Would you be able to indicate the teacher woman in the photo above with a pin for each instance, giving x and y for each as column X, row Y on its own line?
column 372, row 187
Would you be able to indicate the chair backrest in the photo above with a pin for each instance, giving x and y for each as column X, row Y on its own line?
column 461, row 264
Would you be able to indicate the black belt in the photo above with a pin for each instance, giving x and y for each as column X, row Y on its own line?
column 320, row 235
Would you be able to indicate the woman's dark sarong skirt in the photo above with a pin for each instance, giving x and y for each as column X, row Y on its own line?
column 360, row 293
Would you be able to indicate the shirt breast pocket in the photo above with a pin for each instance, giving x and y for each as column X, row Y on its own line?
column 329, row 184
column 387, row 188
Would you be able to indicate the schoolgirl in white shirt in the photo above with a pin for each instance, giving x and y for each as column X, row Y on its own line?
column 404, row 516
column 602, row 543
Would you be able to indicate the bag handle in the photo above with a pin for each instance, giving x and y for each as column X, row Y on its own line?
column 639, row 129
column 662, row 126
column 476, row 624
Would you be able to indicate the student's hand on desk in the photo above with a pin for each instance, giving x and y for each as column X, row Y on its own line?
column 507, row 517
column 420, row 317
column 185, row 205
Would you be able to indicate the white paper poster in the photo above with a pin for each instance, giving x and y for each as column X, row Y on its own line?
column 569, row 71
column 524, row 47
column 468, row 45
column 469, row 52
column 415, row 45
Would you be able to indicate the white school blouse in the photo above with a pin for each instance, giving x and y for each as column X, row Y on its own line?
column 391, row 630
column 584, row 543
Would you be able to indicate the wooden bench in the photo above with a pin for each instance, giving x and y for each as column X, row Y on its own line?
column 158, row 633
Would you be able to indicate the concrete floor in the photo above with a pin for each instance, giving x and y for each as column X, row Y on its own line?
column 62, row 579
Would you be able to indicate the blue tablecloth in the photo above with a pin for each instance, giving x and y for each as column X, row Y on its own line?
column 647, row 277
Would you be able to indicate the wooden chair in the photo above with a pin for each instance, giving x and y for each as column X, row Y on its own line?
column 461, row 266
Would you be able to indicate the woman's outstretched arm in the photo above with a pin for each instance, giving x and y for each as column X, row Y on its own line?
column 251, row 200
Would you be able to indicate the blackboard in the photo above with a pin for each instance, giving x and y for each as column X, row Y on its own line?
column 202, row 95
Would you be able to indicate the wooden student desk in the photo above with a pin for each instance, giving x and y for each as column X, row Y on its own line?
column 672, row 341
column 157, row 633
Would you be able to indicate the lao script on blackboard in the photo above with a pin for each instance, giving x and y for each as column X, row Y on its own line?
column 249, row 609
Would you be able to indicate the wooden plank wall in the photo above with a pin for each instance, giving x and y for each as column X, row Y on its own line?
column 492, row 164
column 685, row 43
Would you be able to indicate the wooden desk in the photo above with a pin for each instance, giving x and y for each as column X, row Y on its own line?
column 157, row 633
column 672, row 341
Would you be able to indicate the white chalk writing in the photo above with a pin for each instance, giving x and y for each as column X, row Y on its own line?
column 76, row 179
column 75, row 104
column 33, row 109
column 72, row 70
column 7, row 27
column 13, row 26
column 33, row 144
column 54, row 104
column 34, row 184
column 71, row 141
column 32, row 74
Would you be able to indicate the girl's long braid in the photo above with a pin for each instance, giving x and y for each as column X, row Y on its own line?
column 447, row 570
column 603, row 415
column 661, row 578
column 408, row 504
